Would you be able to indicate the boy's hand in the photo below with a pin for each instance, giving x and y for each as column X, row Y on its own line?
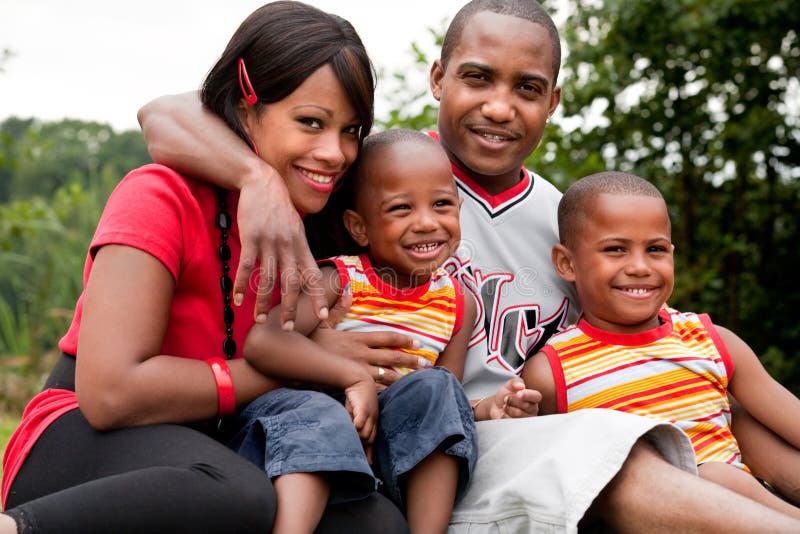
column 514, row 400
column 362, row 405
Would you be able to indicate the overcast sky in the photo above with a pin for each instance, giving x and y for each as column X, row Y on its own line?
column 103, row 59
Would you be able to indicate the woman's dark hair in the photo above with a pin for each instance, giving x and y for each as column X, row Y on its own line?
column 283, row 43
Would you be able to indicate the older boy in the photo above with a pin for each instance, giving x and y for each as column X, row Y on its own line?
column 630, row 353
column 496, row 83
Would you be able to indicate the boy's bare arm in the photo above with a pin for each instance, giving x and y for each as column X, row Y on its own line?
column 278, row 352
column 182, row 134
column 291, row 355
column 517, row 398
column 761, row 395
column 454, row 356
column 537, row 374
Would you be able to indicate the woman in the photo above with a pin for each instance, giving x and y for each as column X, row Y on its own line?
column 125, row 436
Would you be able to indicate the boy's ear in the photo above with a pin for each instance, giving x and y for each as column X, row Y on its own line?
column 437, row 73
column 562, row 261
column 355, row 226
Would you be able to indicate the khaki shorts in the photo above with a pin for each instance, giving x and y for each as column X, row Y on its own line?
column 541, row 474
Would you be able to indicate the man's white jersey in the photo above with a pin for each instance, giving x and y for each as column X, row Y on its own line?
column 504, row 261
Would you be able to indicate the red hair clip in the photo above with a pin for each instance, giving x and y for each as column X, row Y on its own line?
column 244, row 84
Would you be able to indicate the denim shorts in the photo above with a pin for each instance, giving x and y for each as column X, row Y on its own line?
column 303, row 430
column 420, row 413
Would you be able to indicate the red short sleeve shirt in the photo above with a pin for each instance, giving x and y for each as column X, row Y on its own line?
column 157, row 210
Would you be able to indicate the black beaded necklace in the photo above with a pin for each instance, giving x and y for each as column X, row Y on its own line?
column 224, row 222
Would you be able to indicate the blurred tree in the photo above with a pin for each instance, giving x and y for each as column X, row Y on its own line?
column 410, row 102
column 50, row 155
column 701, row 97
column 42, row 247
column 55, row 180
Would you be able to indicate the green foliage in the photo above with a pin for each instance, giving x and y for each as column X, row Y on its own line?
column 40, row 261
column 700, row 96
column 43, row 157
column 7, row 427
column 411, row 104
column 13, row 330
column 58, row 177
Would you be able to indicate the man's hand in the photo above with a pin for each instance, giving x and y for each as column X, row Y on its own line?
column 272, row 232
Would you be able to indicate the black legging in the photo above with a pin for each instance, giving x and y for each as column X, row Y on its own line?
column 156, row 478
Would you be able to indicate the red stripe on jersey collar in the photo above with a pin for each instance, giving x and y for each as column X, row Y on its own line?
column 493, row 200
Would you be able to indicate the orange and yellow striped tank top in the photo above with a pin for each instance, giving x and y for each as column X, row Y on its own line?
column 430, row 313
column 678, row 371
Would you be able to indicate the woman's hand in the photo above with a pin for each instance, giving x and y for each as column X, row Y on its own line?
column 511, row 400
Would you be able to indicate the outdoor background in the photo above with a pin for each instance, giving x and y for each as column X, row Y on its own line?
column 701, row 97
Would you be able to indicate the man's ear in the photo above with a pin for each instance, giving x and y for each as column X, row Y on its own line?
column 437, row 73
column 555, row 99
column 355, row 226
column 563, row 262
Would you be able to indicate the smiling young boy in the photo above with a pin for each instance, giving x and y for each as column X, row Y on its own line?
column 630, row 353
column 404, row 216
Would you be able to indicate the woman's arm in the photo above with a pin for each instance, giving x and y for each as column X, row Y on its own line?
column 182, row 134
column 290, row 355
column 761, row 395
column 376, row 349
column 121, row 378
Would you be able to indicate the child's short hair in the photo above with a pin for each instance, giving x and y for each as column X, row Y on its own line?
column 376, row 143
column 575, row 205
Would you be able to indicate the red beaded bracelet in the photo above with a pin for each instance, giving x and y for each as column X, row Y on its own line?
column 225, row 393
